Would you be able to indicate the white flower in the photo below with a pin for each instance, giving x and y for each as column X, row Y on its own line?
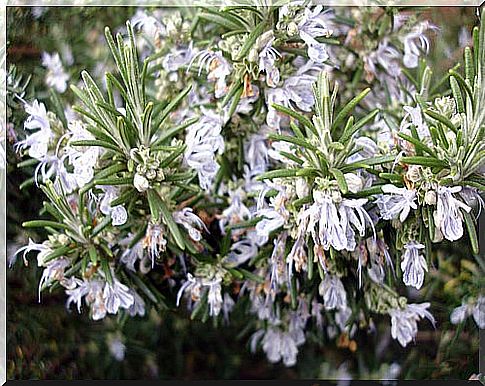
column 235, row 213
column 342, row 316
column 131, row 255
column 353, row 215
column 217, row 68
column 316, row 51
column 324, row 222
column 191, row 222
column 416, row 42
column 148, row 24
column 116, row 348
column 83, row 159
column 177, row 58
column 333, row 292
column 334, row 226
column 138, row 306
column 116, row 296
column 297, row 255
column 301, row 187
column 397, row 203
column 277, row 344
column 54, row 270
column 477, row 309
column 479, row 312
column 192, row 284
column 56, row 76
column 296, row 89
column 214, row 298
column 256, row 154
column 118, row 213
column 447, row 216
column 37, row 142
column 227, row 306
column 267, row 57
column 311, row 26
column 241, row 251
column 414, row 117
column 92, row 291
column 277, row 147
column 204, row 141
column 271, row 221
column 155, row 241
column 43, row 250
column 386, row 57
column 413, row 265
column 404, row 322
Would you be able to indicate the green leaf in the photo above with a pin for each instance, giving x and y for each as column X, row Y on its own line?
column 417, row 144
column 245, row 224
column 99, row 143
column 445, row 121
column 462, row 83
column 231, row 92
column 348, row 133
column 368, row 162
column 109, row 171
column 44, row 223
column 223, row 19
column 102, row 225
column 172, row 226
column 58, row 108
column 169, row 108
column 302, row 201
column 144, row 288
column 282, row 173
column 62, row 251
column 235, row 102
column 369, row 192
column 169, row 133
column 349, row 107
column 341, row 182
column 93, row 255
column 293, row 294
column 293, row 140
column 106, row 270
column 469, row 65
column 472, row 233
column 455, row 89
column 251, row 276
column 424, row 161
column 114, row 181
column 299, row 117
column 292, row 157
column 307, row 172
column 172, row 157
column 250, row 40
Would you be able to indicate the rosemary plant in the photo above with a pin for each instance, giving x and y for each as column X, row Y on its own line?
column 263, row 156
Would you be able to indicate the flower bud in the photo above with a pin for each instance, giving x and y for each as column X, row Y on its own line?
column 354, row 182
column 292, row 29
column 141, row 183
column 253, row 55
column 430, row 197
column 302, row 189
column 414, row 173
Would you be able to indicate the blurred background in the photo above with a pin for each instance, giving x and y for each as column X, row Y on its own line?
column 46, row 341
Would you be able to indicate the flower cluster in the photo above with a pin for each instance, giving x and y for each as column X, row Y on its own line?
column 305, row 175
